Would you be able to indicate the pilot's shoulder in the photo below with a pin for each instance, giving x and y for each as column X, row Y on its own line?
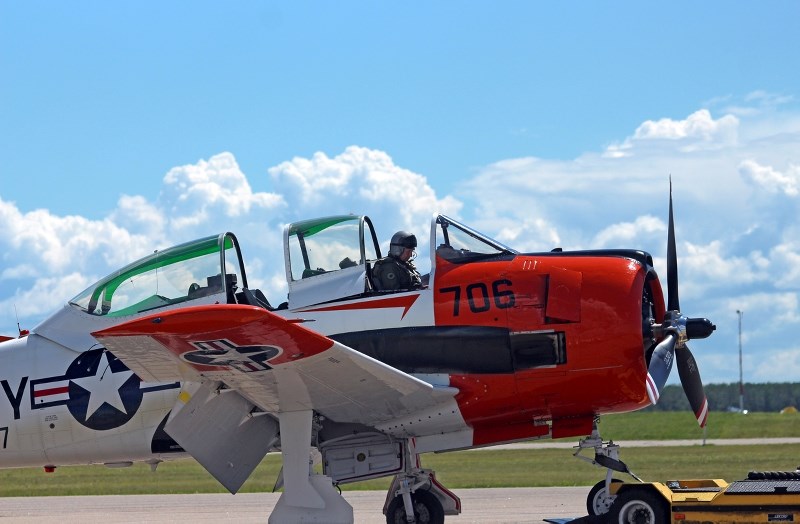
column 384, row 263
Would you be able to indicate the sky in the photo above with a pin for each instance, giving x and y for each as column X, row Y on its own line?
column 129, row 127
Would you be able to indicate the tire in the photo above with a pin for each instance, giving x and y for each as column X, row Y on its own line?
column 599, row 502
column 427, row 509
column 638, row 506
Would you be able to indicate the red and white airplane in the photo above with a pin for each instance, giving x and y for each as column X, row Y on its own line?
column 175, row 354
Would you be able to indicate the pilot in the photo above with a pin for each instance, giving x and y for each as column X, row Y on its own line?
column 397, row 271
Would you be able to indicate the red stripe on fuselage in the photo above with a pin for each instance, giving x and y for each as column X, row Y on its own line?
column 51, row 391
column 404, row 302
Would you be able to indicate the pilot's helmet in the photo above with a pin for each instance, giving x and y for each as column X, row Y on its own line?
column 400, row 241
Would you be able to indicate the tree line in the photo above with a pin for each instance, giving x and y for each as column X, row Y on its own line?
column 770, row 397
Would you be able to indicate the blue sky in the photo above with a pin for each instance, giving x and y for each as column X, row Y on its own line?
column 126, row 127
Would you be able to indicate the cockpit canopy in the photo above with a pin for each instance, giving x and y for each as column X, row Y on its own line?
column 328, row 244
column 458, row 243
column 329, row 258
column 185, row 272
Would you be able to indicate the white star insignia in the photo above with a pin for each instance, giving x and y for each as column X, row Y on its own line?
column 103, row 387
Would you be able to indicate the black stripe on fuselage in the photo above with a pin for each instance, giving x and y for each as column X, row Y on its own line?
column 458, row 349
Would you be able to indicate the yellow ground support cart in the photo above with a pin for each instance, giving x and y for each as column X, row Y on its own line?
column 762, row 497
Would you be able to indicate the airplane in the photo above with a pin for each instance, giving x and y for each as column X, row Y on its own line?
column 174, row 356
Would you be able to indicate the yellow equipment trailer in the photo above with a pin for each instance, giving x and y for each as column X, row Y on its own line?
column 762, row 497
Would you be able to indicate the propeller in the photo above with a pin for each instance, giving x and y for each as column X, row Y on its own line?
column 677, row 329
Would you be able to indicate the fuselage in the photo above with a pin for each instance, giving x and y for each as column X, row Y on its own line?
column 537, row 345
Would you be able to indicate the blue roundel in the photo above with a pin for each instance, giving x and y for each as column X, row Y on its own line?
column 103, row 392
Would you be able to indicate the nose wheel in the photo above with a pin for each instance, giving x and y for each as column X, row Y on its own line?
column 606, row 455
column 600, row 498
column 426, row 508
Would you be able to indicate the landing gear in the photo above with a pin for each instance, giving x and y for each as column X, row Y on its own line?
column 415, row 495
column 426, row 508
column 606, row 454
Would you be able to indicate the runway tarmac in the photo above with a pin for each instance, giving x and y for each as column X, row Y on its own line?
column 502, row 505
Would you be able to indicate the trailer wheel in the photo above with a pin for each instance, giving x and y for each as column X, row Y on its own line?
column 599, row 500
column 638, row 506
column 427, row 509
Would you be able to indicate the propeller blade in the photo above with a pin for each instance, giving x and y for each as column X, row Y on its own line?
column 693, row 385
column 680, row 329
column 660, row 366
column 673, row 302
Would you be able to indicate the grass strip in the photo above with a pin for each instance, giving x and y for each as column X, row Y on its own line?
column 463, row 469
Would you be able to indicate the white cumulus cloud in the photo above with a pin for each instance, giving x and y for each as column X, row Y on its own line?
column 629, row 233
column 362, row 181
column 359, row 180
column 699, row 125
column 772, row 180
column 196, row 192
column 698, row 131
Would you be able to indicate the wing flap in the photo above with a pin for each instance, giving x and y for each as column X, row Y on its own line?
column 276, row 363
column 218, row 430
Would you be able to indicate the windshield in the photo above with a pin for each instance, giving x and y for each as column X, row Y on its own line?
column 459, row 243
column 185, row 272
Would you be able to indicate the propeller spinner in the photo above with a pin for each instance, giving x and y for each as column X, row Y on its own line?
column 677, row 329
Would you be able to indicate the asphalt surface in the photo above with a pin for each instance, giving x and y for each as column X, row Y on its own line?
column 501, row 505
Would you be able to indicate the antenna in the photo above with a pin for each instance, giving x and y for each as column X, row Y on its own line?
column 22, row 332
